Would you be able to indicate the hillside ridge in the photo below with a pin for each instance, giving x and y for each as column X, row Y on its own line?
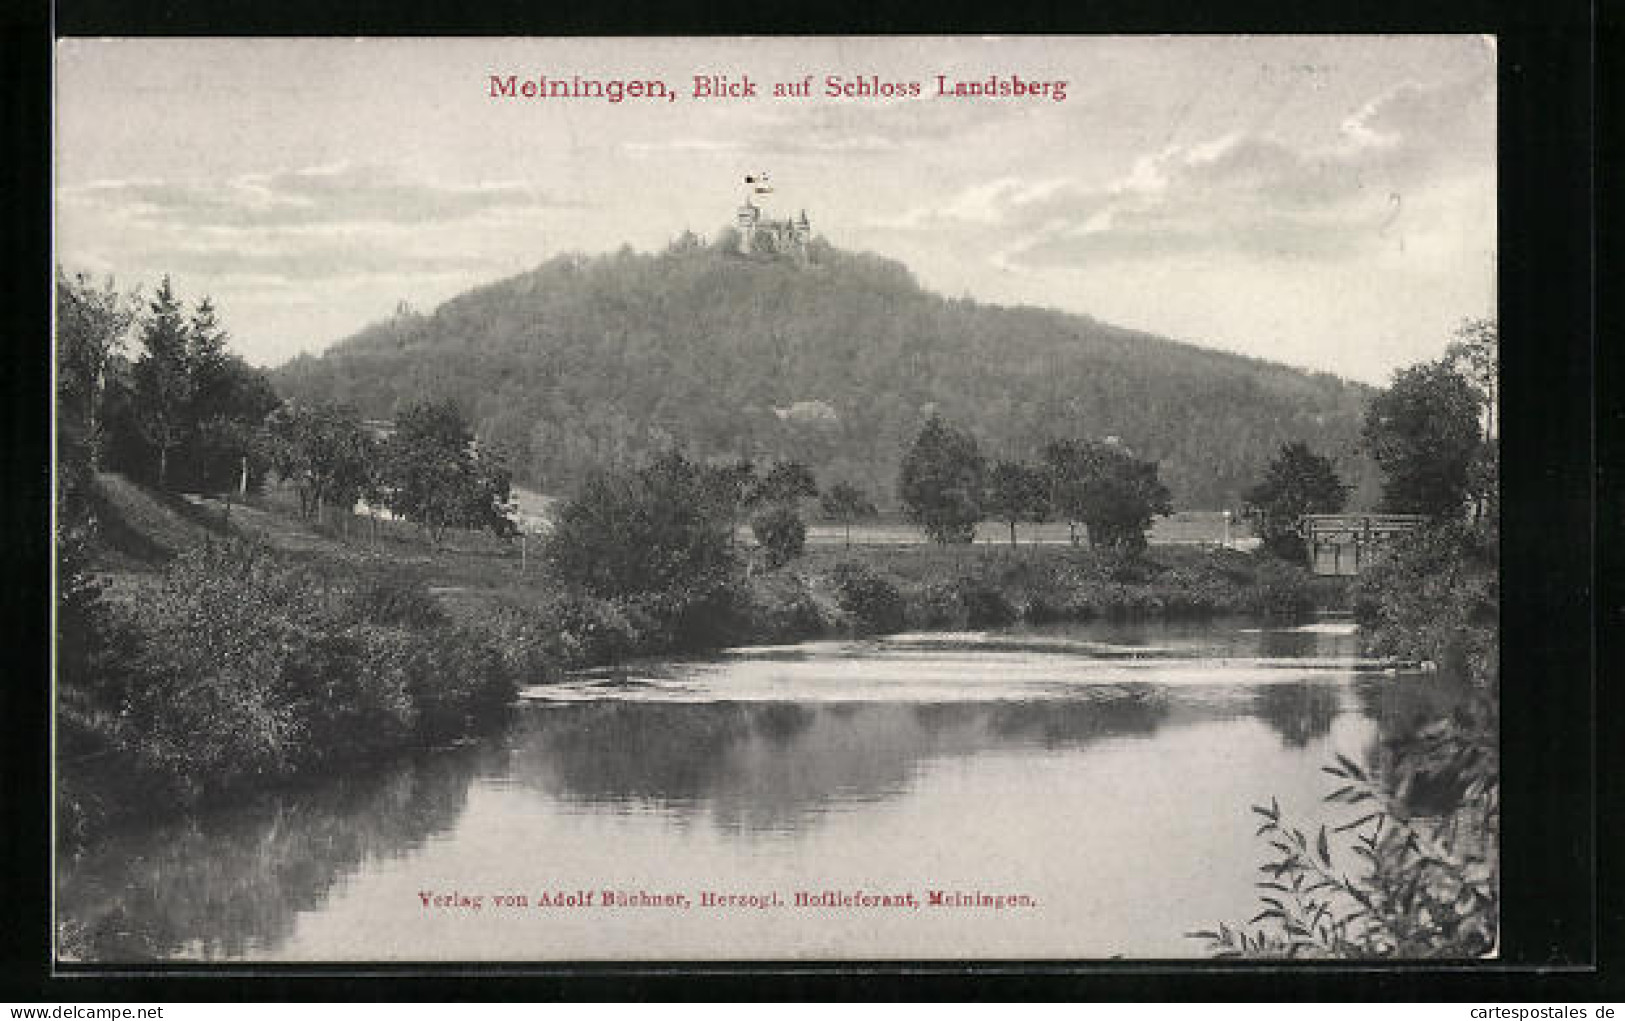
column 834, row 359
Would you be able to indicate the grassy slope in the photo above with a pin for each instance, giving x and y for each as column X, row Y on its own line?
column 473, row 573
column 141, row 529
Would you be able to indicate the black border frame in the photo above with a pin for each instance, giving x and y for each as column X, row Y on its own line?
column 1554, row 372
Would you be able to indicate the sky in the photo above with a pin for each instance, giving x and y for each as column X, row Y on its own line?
column 1327, row 202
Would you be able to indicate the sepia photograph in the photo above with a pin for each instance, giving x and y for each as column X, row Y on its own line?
column 805, row 499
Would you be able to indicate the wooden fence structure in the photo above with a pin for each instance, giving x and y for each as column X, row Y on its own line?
column 1345, row 544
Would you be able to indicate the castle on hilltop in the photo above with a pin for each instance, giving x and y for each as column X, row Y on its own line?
column 772, row 237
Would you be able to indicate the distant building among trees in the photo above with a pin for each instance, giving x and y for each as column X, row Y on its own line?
column 759, row 235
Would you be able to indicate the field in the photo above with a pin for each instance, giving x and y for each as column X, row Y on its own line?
column 1182, row 528
column 472, row 571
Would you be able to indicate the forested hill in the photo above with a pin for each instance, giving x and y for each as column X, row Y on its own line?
column 835, row 361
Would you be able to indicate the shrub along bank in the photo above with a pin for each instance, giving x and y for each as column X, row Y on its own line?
column 237, row 669
column 882, row 590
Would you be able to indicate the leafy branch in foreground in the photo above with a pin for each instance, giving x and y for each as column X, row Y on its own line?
column 1427, row 886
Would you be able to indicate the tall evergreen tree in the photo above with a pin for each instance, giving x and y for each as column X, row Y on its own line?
column 163, row 377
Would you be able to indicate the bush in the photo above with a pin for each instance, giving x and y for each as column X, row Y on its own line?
column 395, row 597
column 1435, row 597
column 1422, row 886
column 1282, row 590
column 782, row 610
column 981, row 604
column 241, row 672
column 697, row 618
column 1125, row 566
column 873, row 602
column 577, row 630
column 649, row 531
column 933, row 605
column 782, row 533
column 527, row 643
column 460, row 684
column 1196, row 591
column 223, row 639
column 349, row 690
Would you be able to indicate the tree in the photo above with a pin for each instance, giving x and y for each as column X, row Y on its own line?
column 224, row 441
column 206, row 339
column 435, row 475
column 1476, row 356
column 787, row 482
column 1018, row 492
column 325, row 451
column 697, row 354
column 1070, row 464
column 1423, row 432
column 489, row 502
column 846, row 503
column 941, row 482
column 778, row 526
column 227, row 409
column 1297, row 482
column 1104, row 486
column 730, row 490
column 187, row 399
column 226, row 449
column 91, row 324
column 633, row 532
column 781, row 533
column 163, row 378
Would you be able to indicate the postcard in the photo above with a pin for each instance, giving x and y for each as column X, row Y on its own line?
column 776, row 499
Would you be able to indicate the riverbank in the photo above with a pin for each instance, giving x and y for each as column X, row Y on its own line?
column 846, row 754
column 840, row 592
column 831, row 590
column 224, row 650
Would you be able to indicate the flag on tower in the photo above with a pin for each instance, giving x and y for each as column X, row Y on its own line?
column 760, row 182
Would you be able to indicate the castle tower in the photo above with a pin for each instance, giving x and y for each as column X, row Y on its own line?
column 747, row 219
column 788, row 236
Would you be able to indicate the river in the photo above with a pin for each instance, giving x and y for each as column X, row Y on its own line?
column 1073, row 792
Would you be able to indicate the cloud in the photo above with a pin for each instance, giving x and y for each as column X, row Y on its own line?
column 344, row 194
column 1240, row 193
column 870, row 125
column 824, row 126
column 1421, row 125
column 316, row 227
column 699, row 145
column 304, row 257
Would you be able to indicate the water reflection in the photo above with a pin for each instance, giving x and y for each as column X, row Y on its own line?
column 775, row 783
column 229, row 882
column 773, row 766
column 1402, row 708
column 1300, row 712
